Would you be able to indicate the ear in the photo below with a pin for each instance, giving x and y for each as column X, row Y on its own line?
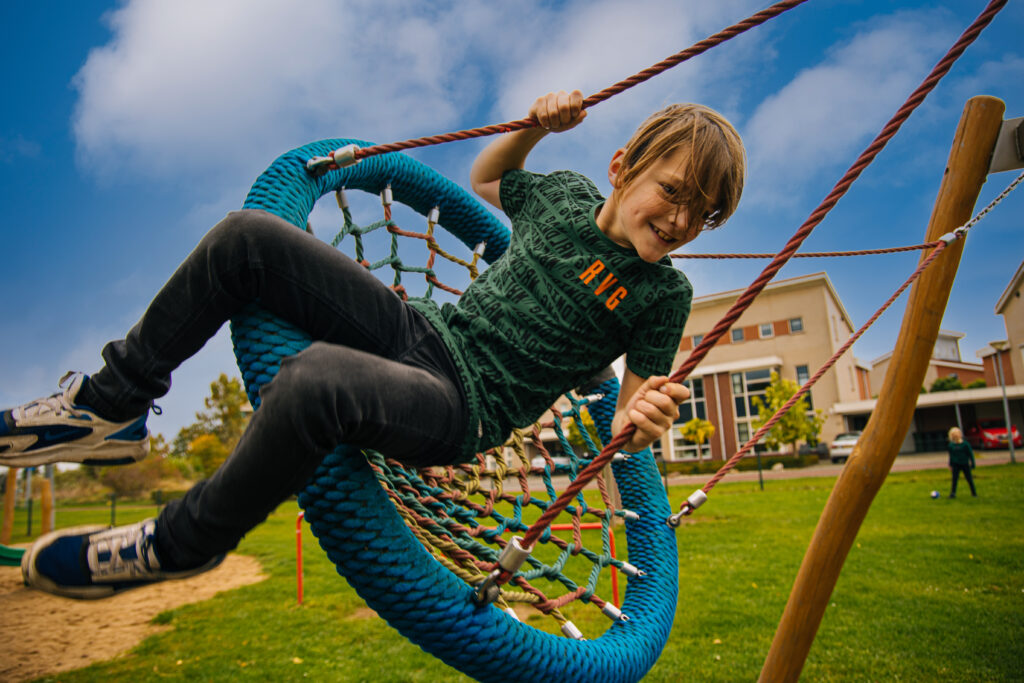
column 615, row 166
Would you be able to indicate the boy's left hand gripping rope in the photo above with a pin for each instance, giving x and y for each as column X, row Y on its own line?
column 343, row 157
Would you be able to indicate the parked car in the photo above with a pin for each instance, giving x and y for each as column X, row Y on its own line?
column 991, row 433
column 842, row 446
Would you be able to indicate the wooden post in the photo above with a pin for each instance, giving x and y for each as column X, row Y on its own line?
column 877, row 447
column 46, row 500
column 11, row 486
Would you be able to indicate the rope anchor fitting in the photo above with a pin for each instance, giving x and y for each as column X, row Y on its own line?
column 511, row 559
column 696, row 499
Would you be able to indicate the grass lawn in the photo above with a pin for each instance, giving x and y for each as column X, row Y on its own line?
column 932, row 590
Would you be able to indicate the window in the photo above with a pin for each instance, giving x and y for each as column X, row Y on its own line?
column 766, row 330
column 802, row 375
column 693, row 407
column 745, row 386
column 796, row 325
column 737, row 335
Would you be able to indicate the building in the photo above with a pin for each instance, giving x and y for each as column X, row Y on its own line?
column 937, row 412
column 1011, row 308
column 945, row 362
column 792, row 328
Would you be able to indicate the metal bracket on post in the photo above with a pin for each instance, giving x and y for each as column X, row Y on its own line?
column 1009, row 152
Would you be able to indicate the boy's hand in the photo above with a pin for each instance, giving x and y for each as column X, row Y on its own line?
column 559, row 111
column 653, row 408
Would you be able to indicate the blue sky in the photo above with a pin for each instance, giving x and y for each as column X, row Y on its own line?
column 129, row 128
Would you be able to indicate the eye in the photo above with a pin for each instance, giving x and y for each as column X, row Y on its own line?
column 668, row 190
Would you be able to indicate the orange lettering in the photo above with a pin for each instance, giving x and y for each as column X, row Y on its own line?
column 617, row 296
column 588, row 274
column 608, row 282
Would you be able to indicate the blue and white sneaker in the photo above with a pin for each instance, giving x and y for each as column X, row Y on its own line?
column 56, row 429
column 96, row 562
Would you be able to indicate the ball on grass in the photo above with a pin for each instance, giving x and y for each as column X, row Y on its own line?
column 935, row 494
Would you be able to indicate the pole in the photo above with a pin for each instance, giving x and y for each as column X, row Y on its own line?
column 10, row 490
column 46, row 501
column 877, row 447
column 1006, row 405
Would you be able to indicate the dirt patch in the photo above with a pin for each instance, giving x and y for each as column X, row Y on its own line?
column 44, row 634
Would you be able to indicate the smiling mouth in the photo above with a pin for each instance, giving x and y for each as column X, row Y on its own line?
column 663, row 236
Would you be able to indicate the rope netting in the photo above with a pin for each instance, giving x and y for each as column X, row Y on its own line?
column 465, row 517
column 464, row 514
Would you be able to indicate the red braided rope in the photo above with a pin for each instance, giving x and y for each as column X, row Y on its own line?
column 744, row 301
column 817, row 254
column 648, row 73
column 766, row 427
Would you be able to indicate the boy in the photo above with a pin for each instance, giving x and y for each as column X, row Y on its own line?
column 584, row 280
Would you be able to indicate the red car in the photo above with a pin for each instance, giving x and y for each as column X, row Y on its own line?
column 991, row 433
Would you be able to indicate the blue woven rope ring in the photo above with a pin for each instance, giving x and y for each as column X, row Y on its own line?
column 364, row 535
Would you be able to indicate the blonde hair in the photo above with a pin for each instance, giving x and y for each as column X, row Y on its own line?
column 955, row 435
column 717, row 163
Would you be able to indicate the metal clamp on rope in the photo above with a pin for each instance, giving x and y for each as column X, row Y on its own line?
column 613, row 612
column 696, row 499
column 480, row 249
column 345, row 156
column 570, row 630
column 511, row 559
column 342, row 198
column 952, row 236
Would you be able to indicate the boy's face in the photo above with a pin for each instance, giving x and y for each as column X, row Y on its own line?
column 644, row 215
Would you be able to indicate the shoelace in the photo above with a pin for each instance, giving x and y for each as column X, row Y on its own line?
column 133, row 537
column 58, row 404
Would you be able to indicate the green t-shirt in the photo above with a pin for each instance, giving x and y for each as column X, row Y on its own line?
column 559, row 306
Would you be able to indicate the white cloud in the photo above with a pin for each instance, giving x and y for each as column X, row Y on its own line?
column 191, row 86
column 192, row 89
column 824, row 115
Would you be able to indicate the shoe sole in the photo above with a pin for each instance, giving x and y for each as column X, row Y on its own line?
column 33, row 579
column 106, row 453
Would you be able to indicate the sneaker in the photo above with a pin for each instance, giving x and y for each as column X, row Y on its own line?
column 96, row 562
column 56, row 429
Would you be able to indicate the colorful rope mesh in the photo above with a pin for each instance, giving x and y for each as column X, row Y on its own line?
column 465, row 515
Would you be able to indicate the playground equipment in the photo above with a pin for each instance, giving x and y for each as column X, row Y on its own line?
column 422, row 578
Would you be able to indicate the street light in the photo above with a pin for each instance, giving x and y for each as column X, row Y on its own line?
column 1001, row 346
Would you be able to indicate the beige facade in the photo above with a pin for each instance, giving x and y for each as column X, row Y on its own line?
column 792, row 328
column 945, row 362
column 1011, row 306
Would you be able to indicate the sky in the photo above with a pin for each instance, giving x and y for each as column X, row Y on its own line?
column 129, row 128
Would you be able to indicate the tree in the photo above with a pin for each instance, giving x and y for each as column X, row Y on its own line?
column 576, row 438
column 798, row 422
column 130, row 481
column 210, row 439
column 948, row 383
column 697, row 431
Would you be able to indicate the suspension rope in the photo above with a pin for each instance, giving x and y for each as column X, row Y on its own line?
column 744, row 301
column 940, row 245
column 815, row 254
column 353, row 154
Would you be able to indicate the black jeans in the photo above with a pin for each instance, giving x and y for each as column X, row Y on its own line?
column 378, row 375
column 966, row 469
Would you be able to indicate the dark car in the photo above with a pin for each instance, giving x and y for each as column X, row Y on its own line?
column 991, row 433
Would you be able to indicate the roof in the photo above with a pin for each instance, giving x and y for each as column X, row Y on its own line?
column 938, row 398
